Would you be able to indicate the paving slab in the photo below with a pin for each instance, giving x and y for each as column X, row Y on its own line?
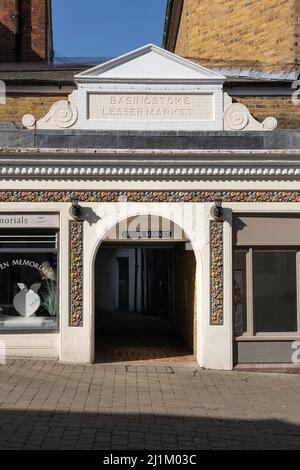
column 131, row 406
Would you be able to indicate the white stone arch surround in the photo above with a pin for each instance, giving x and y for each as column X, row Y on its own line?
column 161, row 210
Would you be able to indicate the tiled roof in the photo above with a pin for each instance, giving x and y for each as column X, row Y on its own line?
column 65, row 70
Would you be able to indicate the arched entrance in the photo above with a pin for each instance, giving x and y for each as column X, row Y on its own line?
column 145, row 293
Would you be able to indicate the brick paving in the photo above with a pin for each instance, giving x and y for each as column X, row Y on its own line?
column 128, row 336
column 50, row 405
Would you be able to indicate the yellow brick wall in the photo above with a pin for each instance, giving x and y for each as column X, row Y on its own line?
column 185, row 296
column 17, row 105
column 297, row 31
column 281, row 107
column 248, row 32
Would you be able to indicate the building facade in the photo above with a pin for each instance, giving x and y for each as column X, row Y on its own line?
column 152, row 183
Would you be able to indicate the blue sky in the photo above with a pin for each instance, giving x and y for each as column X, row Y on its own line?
column 105, row 28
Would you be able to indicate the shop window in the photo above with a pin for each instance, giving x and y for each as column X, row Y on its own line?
column 29, row 279
column 274, row 291
column 265, row 291
column 239, row 293
column 266, row 275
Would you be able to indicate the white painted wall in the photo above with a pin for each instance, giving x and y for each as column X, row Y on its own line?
column 217, row 340
column 31, row 345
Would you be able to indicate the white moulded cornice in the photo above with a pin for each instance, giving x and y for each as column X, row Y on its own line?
column 218, row 167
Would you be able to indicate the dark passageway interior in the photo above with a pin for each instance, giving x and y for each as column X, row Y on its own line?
column 144, row 305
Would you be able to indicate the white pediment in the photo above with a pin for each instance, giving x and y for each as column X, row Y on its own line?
column 149, row 63
column 149, row 89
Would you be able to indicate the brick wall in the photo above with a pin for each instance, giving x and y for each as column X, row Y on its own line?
column 17, row 105
column 185, row 295
column 7, row 31
column 34, row 31
column 245, row 32
column 297, row 31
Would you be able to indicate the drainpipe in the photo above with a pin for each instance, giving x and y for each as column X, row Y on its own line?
column 142, row 280
column 50, row 51
column 167, row 24
column 172, row 21
column 17, row 17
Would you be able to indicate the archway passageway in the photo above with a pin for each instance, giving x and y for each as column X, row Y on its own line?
column 145, row 302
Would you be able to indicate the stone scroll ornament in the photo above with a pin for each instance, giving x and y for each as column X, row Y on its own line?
column 216, row 273
column 76, row 273
column 62, row 115
column 237, row 117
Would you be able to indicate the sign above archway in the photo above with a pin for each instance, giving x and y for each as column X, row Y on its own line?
column 149, row 89
column 145, row 227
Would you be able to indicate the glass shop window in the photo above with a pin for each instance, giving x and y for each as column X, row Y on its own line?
column 274, row 291
column 265, row 291
column 29, row 279
column 239, row 293
column 266, row 275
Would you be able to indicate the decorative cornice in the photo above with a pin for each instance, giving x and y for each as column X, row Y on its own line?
column 154, row 165
column 151, row 172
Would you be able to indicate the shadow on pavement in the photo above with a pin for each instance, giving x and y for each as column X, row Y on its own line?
column 21, row 429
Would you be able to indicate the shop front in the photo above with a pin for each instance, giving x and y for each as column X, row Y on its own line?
column 149, row 199
column 266, row 287
column 29, row 281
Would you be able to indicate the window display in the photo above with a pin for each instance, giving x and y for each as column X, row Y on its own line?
column 28, row 281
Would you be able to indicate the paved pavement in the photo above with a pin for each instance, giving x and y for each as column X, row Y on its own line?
column 123, row 336
column 48, row 405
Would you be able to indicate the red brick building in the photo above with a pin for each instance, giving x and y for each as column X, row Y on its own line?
column 25, row 31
